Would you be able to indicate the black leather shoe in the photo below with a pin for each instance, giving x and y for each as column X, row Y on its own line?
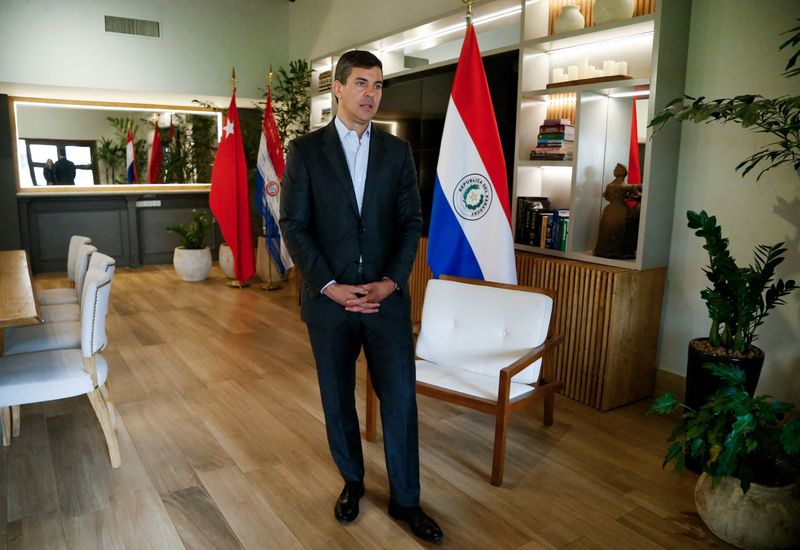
column 422, row 525
column 346, row 509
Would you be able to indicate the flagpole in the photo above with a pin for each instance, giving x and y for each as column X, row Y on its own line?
column 468, row 4
column 235, row 283
column 271, row 285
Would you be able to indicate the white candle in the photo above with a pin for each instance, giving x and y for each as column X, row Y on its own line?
column 622, row 68
column 572, row 72
column 559, row 75
column 609, row 68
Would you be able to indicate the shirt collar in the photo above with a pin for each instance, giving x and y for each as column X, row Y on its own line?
column 343, row 130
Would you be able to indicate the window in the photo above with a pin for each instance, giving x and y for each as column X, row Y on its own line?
column 80, row 152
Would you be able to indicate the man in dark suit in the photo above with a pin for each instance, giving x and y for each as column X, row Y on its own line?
column 64, row 171
column 350, row 216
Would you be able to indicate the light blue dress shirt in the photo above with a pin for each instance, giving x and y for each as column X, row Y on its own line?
column 356, row 151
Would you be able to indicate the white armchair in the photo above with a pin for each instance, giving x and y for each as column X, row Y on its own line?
column 57, row 374
column 486, row 346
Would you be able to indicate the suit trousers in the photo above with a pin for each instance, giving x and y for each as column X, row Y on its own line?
column 389, row 349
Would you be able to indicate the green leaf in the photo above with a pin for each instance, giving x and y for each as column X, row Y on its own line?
column 664, row 404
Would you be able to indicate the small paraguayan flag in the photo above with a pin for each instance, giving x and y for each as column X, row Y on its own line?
column 470, row 233
column 130, row 159
column 269, row 171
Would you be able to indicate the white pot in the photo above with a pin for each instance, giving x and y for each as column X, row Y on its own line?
column 764, row 517
column 226, row 261
column 570, row 19
column 192, row 265
column 612, row 10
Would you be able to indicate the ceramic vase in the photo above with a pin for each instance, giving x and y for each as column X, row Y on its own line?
column 570, row 19
column 612, row 10
column 763, row 518
column 226, row 261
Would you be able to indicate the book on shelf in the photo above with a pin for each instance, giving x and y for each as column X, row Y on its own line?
column 557, row 122
column 527, row 208
column 557, row 228
column 551, row 155
column 565, row 129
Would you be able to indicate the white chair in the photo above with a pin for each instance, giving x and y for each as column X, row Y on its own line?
column 486, row 346
column 58, row 374
column 58, row 313
column 53, row 296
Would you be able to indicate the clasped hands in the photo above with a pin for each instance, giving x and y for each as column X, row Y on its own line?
column 364, row 298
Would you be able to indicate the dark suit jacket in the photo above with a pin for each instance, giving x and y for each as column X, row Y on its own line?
column 323, row 230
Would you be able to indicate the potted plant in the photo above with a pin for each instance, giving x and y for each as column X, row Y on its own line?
column 749, row 448
column 192, row 259
column 738, row 301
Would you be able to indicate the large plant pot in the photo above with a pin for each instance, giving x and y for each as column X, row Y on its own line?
column 763, row 518
column 701, row 383
column 192, row 265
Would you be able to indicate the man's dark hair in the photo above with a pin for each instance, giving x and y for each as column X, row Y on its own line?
column 355, row 58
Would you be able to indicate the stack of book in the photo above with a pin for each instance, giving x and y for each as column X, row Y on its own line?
column 529, row 209
column 324, row 81
column 557, row 229
column 556, row 140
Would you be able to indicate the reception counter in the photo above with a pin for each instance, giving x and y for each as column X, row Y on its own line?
column 127, row 222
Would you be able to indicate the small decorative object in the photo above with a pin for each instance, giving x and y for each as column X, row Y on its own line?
column 570, row 19
column 226, row 261
column 612, row 10
column 192, row 259
column 619, row 224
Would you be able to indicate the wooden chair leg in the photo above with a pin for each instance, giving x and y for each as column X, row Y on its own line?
column 15, row 420
column 6, row 426
column 101, row 410
column 371, row 433
column 105, row 391
column 499, row 458
column 549, row 402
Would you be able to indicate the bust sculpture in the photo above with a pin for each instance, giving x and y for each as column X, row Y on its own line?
column 619, row 223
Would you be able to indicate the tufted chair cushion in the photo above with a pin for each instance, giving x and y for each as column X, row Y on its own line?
column 72, row 253
column 58, row 313
column 54, row 296
column 46, row 375
column 479, row 329
column 96, row 294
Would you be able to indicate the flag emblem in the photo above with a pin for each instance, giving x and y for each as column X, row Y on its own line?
column 472, row 197
column 273, row 189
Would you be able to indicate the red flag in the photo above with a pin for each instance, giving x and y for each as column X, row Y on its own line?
column 155, row 171
column 229, row 199
column 634, row 171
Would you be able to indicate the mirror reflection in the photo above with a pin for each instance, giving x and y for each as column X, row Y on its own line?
column 109, row 144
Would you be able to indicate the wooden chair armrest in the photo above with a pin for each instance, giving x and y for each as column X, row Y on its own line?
column 415, row 328
column 536, row 353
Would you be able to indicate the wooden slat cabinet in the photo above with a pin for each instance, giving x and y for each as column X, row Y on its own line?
column 609, row 317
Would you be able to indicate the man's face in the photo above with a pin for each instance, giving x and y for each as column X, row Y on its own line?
column 360, row 96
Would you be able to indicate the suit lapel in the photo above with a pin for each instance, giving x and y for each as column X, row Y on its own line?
column 372, row 184
column 332, row 149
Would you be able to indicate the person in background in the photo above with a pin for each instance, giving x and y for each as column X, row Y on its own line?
column 351, row 218
column 49, row 175
column 64, row 171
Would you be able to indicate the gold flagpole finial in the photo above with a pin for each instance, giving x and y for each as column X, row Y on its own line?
column 469, row 3
column 234, row 80
column 269, row 79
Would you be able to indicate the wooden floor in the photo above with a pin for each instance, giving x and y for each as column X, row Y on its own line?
column 223, row 446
